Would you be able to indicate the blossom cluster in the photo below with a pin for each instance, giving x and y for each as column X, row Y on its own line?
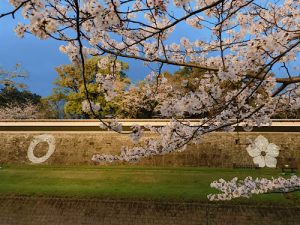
column 88, row 106
column 137, row 133
column 236, row 188
column 107, row 85
column 147, row 95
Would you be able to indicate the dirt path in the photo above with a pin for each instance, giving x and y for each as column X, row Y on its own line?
column 72, row 211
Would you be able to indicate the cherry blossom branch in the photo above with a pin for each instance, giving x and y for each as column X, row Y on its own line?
column 12, row 13
column 246, row 188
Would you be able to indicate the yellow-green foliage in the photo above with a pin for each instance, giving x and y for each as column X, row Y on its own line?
column 70, row 88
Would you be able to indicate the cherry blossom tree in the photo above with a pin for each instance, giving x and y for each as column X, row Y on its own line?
column 23, row 111
column 252, row 45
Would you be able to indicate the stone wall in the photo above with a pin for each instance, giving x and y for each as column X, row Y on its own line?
column 62, row 211
column 76, row 148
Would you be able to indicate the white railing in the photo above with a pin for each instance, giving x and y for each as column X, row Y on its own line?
column 125, row 122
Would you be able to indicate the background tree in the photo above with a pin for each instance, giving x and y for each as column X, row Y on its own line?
column 70, row 89
column 10, row 95
column 144, row 99
column 16, row 102
column 141, row 100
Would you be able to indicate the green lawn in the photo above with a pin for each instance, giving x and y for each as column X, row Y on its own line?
column 123, row 182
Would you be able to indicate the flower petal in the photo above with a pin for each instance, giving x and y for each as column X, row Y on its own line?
column 259, row 160
column 253, row 151
column 261, row 142
column 272, row 150
column 271, row 161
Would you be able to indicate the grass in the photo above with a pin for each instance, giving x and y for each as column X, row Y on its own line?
column 130, row 182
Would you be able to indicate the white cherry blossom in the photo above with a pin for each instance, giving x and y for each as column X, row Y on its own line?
column 263, row 152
